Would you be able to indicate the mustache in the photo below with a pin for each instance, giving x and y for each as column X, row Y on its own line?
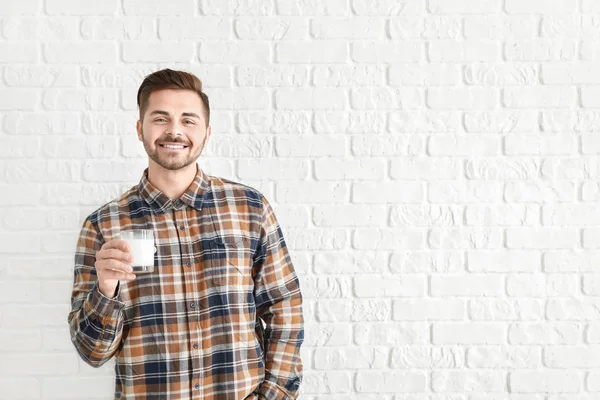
column 170, row 139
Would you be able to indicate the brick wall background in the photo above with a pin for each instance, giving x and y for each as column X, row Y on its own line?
column 433, row 163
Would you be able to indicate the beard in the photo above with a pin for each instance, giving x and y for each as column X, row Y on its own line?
column 173, row 162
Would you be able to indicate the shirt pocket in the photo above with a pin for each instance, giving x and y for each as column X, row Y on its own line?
column 230, row 264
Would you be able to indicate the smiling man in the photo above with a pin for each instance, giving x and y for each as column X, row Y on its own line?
column 220, row 317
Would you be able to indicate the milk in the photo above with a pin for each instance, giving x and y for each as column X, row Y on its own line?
column 141, row 247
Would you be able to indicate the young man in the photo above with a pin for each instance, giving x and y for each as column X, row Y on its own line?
column 192, row 328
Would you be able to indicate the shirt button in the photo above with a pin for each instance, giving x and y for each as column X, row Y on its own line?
column 182, row 227
column 195, row 345
column 197, row 386
column 188, row 264
column 193, row 305
column 178, row 203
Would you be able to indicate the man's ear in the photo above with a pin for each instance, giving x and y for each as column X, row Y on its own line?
column 138, row 128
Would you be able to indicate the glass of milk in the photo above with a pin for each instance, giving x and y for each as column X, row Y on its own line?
column 141, row 245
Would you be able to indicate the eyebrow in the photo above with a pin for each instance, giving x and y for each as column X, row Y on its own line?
column 185, row 114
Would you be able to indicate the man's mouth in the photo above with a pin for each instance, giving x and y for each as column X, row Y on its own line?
column 173, row 146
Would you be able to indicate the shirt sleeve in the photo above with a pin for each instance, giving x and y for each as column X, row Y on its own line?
column 95, row 321
column 279, row 305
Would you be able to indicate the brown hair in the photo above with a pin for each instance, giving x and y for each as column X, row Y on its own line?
column 170, row 79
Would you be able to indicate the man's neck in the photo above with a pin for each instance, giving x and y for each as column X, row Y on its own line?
column 171, row 183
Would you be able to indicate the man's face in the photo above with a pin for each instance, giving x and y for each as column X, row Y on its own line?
column 173, row 129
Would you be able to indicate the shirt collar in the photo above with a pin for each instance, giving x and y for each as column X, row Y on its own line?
column 160, row 202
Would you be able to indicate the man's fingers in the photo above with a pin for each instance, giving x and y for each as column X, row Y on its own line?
column 112, row 265
column 109, row 274
column 114, row 253
column 116, row 244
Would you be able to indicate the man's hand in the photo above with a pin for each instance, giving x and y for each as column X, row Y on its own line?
column 111, row 266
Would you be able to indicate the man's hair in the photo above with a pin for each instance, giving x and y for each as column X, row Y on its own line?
column 170, row 79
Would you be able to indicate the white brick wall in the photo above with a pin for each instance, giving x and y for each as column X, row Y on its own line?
column 434, row 165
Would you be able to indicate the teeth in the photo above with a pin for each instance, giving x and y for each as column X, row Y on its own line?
column 173, row 147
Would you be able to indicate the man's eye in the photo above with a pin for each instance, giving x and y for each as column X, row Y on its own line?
column 159, row 120
column 188, row 121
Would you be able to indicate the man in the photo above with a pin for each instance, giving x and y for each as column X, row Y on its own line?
column 193, row 328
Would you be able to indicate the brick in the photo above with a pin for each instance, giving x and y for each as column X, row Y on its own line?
column 429, row 309
column 464, row 51
column 500, row 27
column 390, row 381
column 40, row 76
column 411, row 168
column 388, row 7
column 505, row 121
column 20, row 388
column 300, row 192
column 113, row 171
column 426, row 262
column 539, row 6
column 317, row 98
column 540, row 50
column 467, row 285
column 347, row 28
column 74, row 7
column 19, row 52
column 464, row 192
column 388, row 192
column 349, row 215
column 415, row 121
column 390, row 286
column 350, row 357
column 516, row 74
column 234, row 52
column 408, row 357
column 271, row 76
column 277, row 169
column 312, row 8
column 113, row 28
column 467, row 145
column 158, row 8
column 567, row 73
column 80, row 52
column 270, row 29
column 357, row 169
column 327, row 382
column 573, row 309
column 236, row 7
column 348, row 122
column 387, row 145
column 388, row 239
column 502, row 357
column 386, row 98
column 465, row 6
column 502, row 261
column 506, row 310
column 541, row 238
column 544, row 333
column 386, row 52
column 276, row 121
column 178, row 28
column 462, row 333
column 357, row 261
column 469, row 381
column 558, row 145
column 135, row 52
column 545, row 381
column 424, row 75
column 78, row 99
column 502, row 215
column 424, row 215
column 312, row 146
column 426, row 28
column 540, row 191
column 322, row 52
column 391, row 334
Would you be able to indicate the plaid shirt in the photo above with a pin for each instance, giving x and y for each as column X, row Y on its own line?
column 192, row 329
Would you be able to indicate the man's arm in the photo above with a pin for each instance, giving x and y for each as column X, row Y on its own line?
column 279, row 305
column 95, row 321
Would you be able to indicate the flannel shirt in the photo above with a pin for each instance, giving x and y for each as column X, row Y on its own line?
column 221, row 315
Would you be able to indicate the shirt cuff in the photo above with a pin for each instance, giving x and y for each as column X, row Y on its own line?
column 104, row 307
column 270, row 391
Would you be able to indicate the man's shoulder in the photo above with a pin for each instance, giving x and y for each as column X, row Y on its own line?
column 113, row 206
column 223, row 187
